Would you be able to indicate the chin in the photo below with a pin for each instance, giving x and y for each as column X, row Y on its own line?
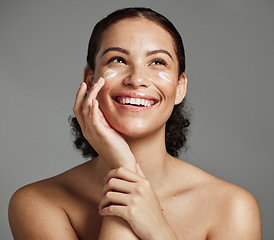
column 138, row 130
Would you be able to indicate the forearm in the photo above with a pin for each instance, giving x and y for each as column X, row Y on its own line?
column 116, row 228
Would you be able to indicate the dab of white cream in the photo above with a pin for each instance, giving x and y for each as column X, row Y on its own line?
column 165, row 76
column 109, row 74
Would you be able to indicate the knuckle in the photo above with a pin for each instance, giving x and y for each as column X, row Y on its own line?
column 135, row 201
column 131, row 213
column 111, row 209
column 140, row 190
column 108, row 195
column 119, row 170
column 85, row 111
column 111, row 182
column 146, row 184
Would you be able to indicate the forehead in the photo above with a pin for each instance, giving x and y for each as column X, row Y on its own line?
column 137, row 32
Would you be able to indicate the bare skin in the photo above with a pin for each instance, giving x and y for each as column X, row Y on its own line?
column 155, row 196
column 198, row 206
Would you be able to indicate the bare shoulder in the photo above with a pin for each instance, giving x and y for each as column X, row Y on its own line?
column 237, row 213
column 231, row 211
column 36, row 211
column 34, row 215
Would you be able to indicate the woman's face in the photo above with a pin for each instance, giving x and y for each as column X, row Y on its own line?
column 138, row 61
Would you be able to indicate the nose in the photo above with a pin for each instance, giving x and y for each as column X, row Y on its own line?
column 137, row 77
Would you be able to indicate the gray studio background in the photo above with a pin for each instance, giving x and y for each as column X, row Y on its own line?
column 229, row 58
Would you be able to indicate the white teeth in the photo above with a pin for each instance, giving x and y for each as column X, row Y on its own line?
column 135, row 101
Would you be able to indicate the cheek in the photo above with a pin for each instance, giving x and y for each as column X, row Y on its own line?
column 165, row 81
column 112, row 74
column 165, row 76
column 160, row 78
column 109, row 74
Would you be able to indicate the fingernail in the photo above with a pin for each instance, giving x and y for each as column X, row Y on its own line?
column 81, row 84
column 100, row 80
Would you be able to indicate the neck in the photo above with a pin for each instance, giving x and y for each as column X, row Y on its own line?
column 150, row 153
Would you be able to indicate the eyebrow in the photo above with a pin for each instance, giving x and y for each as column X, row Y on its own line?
column 116, row 49
column 159, row 51
column 122, row 50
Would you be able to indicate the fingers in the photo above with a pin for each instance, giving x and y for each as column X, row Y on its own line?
column 95, row 117
column 117, row 185
column 124, row 174
column 82, row 106
column 77, row 109
column 114, row 210
column 115, row 198
column 94, row 91
column 90, row 105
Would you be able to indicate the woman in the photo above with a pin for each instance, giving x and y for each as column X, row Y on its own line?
column 134, row 188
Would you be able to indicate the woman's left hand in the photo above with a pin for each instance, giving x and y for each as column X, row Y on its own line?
column 130, row 196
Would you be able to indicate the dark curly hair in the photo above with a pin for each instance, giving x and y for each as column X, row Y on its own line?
column 178, row 123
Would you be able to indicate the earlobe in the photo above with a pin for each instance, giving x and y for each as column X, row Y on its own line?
column 181, row 89
column 88, row 77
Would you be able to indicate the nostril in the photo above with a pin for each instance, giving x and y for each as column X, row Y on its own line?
column 134, row 81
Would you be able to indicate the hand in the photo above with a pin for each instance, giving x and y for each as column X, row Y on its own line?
column 130, row 196
column 106, row 141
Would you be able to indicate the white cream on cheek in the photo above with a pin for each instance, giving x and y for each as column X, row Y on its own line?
column 109, row 74
column 165, row 76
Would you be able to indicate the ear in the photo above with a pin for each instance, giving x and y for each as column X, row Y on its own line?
column 181, row 89
column 88, row 77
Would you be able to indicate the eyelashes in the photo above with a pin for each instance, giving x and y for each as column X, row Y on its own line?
column 155, row 62
column 159, row 62
column 117, row 60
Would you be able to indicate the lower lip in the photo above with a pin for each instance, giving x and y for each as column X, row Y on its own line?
column 132, row 108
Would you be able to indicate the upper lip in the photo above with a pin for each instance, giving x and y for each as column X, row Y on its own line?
column 136, row 95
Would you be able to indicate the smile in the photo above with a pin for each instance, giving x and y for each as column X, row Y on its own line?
column 134, row 101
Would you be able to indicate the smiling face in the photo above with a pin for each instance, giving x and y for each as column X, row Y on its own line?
column 138, row 60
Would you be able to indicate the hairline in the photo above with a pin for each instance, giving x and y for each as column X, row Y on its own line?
column 139, row 16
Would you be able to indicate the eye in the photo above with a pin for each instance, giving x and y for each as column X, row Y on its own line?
column 158, row 62
column 117, row 60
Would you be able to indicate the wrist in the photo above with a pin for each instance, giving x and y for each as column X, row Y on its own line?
column 129, row 163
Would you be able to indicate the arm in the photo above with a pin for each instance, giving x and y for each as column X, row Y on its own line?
column 133, row 198
column 109, row 144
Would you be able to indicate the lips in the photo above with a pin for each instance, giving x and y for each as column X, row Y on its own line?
column 135, row 99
